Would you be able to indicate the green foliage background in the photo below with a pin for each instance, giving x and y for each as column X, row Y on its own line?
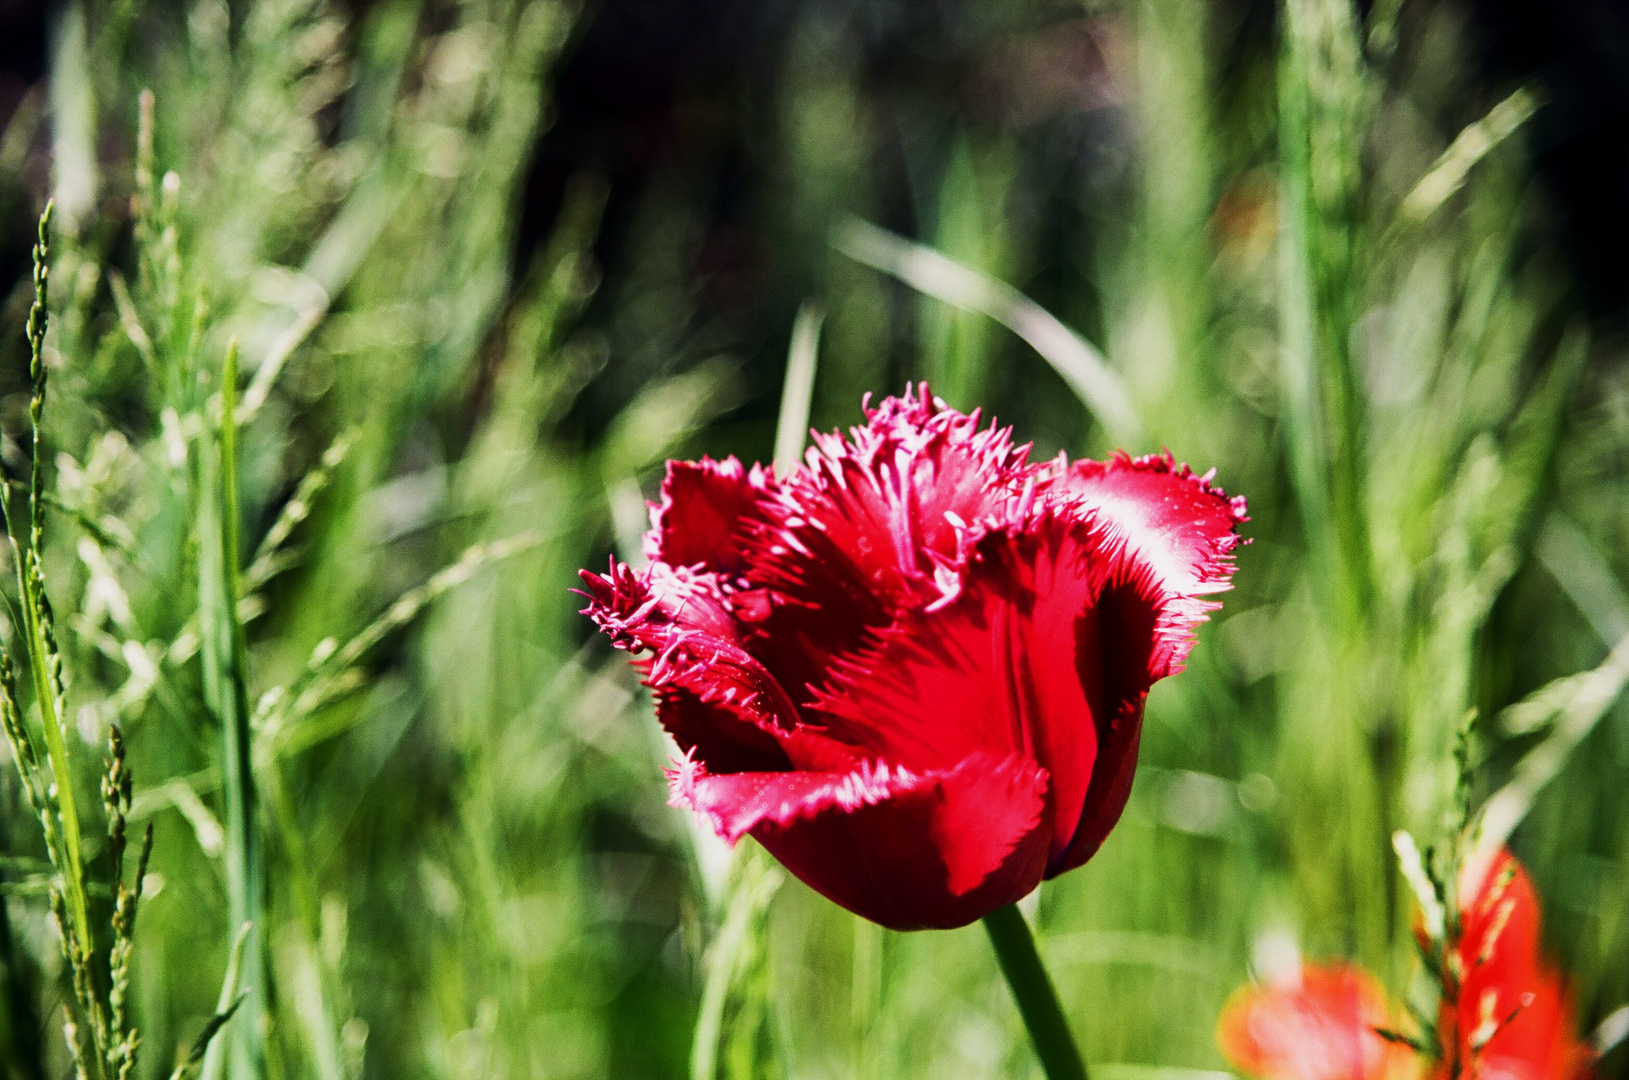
column 1309, row 273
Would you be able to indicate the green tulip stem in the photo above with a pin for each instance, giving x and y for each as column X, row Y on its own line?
column 1032, row 990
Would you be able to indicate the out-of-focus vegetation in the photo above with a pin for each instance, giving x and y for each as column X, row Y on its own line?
column 1304, row 244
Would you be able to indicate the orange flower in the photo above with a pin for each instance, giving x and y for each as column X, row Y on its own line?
column 1322, row 1028
column 1506, row 1012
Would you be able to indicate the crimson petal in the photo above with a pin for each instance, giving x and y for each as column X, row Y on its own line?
column 936, row 849
column 705, row 510
column 873, row 525
column 1046, row 653
column 1179, row 523
column 888, row 506
column 714, row 696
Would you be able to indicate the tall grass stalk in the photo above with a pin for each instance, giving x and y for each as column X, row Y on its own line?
column 221, row 645
column 44, row 662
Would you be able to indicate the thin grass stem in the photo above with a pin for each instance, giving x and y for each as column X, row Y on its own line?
column 39, row 640
column 797, row 391
column 226, row 690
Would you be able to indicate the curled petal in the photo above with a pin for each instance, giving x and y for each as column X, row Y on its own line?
column 1182, row 525
column 1321, row 1027
column 907, row 850
column 726, row 743
column 705, row 512
column 659, row 608
column 715, row 697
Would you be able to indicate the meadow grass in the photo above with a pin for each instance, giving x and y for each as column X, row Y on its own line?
column 325, row 445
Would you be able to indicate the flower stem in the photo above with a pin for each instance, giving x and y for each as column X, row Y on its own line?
column 1032, row 990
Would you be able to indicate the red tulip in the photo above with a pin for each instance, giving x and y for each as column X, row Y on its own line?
column 914, row 669
column 1510, row 1016
column 1321, row 1028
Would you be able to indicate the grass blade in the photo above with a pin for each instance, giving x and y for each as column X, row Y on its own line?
column 1084, row 368
column 207, row 1051
column 735, row 953
column 797, row 392
column 1469, row 147
column 1593, row 695
column 226, row 693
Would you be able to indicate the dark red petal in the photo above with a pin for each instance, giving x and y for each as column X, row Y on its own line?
column 886, row 507
column 726, row 743
column 1045, row 653
column 798, row 639
column 1321, row 1028
column 1132, row 617
column 907, row 850
column 1180, row 524
column 705, row 509
column 656, row 607
column 716, row 698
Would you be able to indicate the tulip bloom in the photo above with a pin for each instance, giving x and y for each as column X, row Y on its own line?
column 914, row 668
column 1322, row 1027
column 1510, row 1017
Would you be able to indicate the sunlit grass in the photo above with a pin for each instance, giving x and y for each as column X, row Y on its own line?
column 1303, row 274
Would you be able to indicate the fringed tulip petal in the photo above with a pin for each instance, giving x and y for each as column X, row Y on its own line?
column 907, row 850
column 1181, row 524
column 715, row 696
column 873, row 526
column 894, row 500
column 704, row 514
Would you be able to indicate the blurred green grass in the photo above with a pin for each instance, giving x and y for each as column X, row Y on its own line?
column 470, row 866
